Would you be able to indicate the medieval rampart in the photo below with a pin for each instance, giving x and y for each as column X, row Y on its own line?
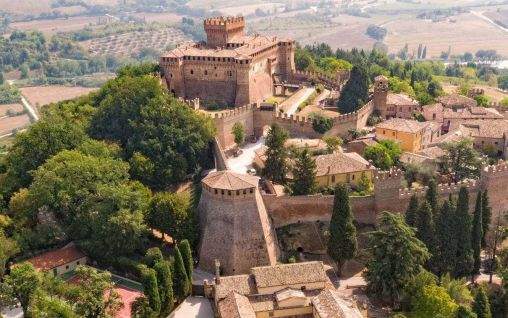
column 501, row 108
column 388, row 196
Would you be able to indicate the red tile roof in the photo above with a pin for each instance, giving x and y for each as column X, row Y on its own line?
column 62, row 256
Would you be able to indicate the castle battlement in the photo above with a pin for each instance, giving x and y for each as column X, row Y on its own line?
column 391, row 174
column 224, row 21
column 494, row 169
column 233, row 112
column 442, row 189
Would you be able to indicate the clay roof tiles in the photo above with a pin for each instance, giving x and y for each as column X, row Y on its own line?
column 400, row 99
column 289, row 274
column 241, row 284
column 457, row 100
column 329, row 304
column 227, row 180
column 487, row 128
column 236, row 306
column 337, row 163
column 59, row 257
column 404, row 125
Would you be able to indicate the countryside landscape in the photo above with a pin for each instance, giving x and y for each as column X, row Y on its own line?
column 252, row 159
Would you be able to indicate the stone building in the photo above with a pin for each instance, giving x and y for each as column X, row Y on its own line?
column 236, row 228
column 411, row 134
column 391, row 105
column 230, row 68
column 60, row 261
column 289, row 290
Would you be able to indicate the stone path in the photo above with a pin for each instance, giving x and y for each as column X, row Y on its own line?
column 194, row 307
column 244, row 161
column 291, row 104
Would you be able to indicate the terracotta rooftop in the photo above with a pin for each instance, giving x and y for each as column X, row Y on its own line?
column 455, row 135
column 454, row 100
column 289, row 293
column 339, row 162
column 487, row 128
column 227, row 180
column 59, row 257
column 400, row 99
column 241, row 284
column 329, row 304
column 289, row 274
column 404, row 125
column 472, row 113
column 236, row 306
column 437, row 108
column 432, row 152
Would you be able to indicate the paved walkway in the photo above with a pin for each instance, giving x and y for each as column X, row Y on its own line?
column 291, row 104
column 12, row 313
column 194, row 307
column 244, row 161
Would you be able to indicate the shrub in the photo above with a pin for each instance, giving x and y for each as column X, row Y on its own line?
column 321, row 123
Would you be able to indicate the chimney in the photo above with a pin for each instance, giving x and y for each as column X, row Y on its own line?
column 217, row 272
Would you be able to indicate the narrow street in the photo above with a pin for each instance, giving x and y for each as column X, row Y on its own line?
column 244, row 161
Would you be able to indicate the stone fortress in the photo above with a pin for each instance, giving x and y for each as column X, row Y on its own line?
column 238, row 221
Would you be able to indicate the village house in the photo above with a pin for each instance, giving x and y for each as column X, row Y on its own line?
column 338, row 168
column 489, row 136
column 60, row 261
column 412, row 135
column 392, row 105
column 452, row 117
column 358, row 145
column 456, row 101
column 298, row 144
column 288, row 290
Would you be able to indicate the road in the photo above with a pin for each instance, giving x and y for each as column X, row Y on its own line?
column 243, row 162
column 26, row 104
column 483, row 17
column 291, row 104
column 194, row 307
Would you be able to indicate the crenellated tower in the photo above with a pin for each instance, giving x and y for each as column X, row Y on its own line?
column 381, row 94
column 221, row 30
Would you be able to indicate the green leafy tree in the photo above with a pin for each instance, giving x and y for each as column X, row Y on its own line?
column 356, row 91
column 412, row 210
column 151, row 289
column 481, row 305
column 465, row 312
column 181, row 282
column 396, row 256
column 342, row 244
column 460, row 161
column 333, row 143
column 96, row 296
column 446, row 239
column 431, row 196
column 321, row 123
column 276, row 154
column 486, row 216
column 170, row 214
column 304, row 60
column 304, row 174
column 20, row 285
column 165, row 286
column 153, row 256
column 424, row 224
column 238, row 133
column 186, row 251
column 8, row 248
column 140, row 308
column 502, row 81
column 434, row 302
column 414, row 287
column 2, row 79
column 457, row 289
column 394, row 149
column 379, row 156
column 364, row 185
column 464, row 257
column 476, row 235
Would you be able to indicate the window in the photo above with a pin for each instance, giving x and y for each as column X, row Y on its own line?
column 237, row 192
column 66, row 266
column 353, row 177
column 222, row 192
column 333, row 179
column 216, row 192
column 384, row 132
column 251, row 190
column 77, row 263
column 192, row 72
column 229, row 192
column 433, row 116
column 393, row 133
column 206, row 72
column 244, row 191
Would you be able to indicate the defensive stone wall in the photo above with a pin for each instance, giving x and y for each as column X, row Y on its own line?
column 501, row 108
column 225, row 120
column 388, row 196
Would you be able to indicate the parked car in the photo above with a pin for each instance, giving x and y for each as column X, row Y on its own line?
column 251, row 171
column 238, row 152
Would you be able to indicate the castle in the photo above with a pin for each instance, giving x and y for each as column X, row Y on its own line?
column 230, row 68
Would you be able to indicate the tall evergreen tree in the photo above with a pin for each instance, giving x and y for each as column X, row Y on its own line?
column 276, row 154
column 186, row 251
column 304, row 174
column 431, row 196
column 413, row 79
column 1, row 78
column 446, row 239
column 476, row 235
column 356, row 91
column 486, row 216
column 481, row 305
column 342, row 244
column 425, row 225
column 464, row 257
column 181, row 283
column 165, row 286
column 151, row 289
column 412, row 210
column 424, row 54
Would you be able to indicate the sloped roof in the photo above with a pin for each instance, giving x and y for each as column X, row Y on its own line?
column 487, row 128
column 473, row 113
column 338, row 163
column 227, row 180
column 59, row 257
column 329, row 304
column 289, row 274
column 455, row 135
column 400, row 99
column 457, row 100
column 241, row 284
column 288, row 293
column 404, row 125
column 236, row 306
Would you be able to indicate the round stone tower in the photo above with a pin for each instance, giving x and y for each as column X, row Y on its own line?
column 236, row 229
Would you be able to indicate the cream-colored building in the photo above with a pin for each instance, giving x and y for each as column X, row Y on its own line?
column 59, row 261
column 289, row 290
column 411, row 134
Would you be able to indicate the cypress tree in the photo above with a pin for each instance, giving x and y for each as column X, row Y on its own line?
column 486, row 216
column 186, row 251
column 304, row 174
column 464, row 256
column 276, row 155
column 151, row 289
column 165, row 286
column 2, row 80
column 432, row 198
column 356, row 91
column 342, row 244
column 181, row 283
column 425, row 226
column 446, row 240
column 476, row 235
column 411, row 211
column 424, row 54
column 153, row 256
column 481, row 305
